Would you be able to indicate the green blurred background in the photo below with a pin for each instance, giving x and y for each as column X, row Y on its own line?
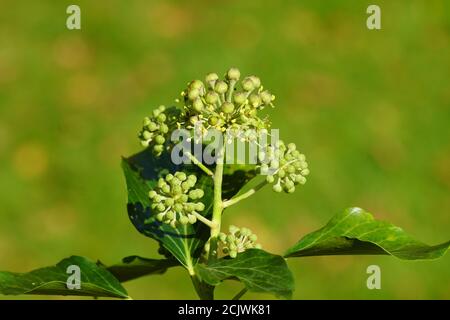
column 370, row 109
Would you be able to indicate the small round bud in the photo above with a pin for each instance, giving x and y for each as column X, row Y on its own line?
column 221, row 87
column 180, row 175
column 160, row 207
column 192, row 219
column 197, row 105
column 233, row 254
column 178, row 207
column 161, row 118
column 247, row 84
column 227, row 107
column 233, row 74
column 277, row 188
column 266, row 97
column 270, row 179
column 196, row 84
column 164, row 128
column 152, row 194
column 305, row 172
column 171, row 215
column 160, row 216
column 165, row 188
column 152, row 126
column 253, row 237
column 213, row 120
column 146, row 135
column 291, row 146
column 184, row 220
column 211, row 77
column 199, row 206
column 211, row 97
column 193, row 94
column 240, row 97
column 256, row 81
column 159, row 139
column 169, row 202
column 233, row 229
column 254, row 100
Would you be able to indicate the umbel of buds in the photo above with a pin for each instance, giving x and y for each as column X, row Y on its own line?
column 154, row 130
column 284, row 166
column 175, row 199
column 236, row 241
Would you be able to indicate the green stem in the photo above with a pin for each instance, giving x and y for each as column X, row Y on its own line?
column 203, row 219
column 199, row 164
column 244, row 195
column 240, row 294
column 217, row 204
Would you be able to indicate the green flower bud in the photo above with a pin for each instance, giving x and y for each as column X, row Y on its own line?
column 169, row 202
column 146, row 135
column 199, row 206
column 165, row 188
column 240, row 98
column 256, row 81
column 178, row 207
column 158, row 149
column 160, row 139
column 152, row 126
column 270, row 179
column 233, row 229
column 196, row 84
column 180, row 175
column 233, row 254
column 211, row 77
column 193, row 94
column 254, row 100
column 211, row 97
column 227, row 107
column 161, row 118
column 152, row 194
column 160, row 207
column 171, row 215
column 281, row 173
column 277, row 188
column 233, row 74
column 213, row 120
column 266, row 97
column 305, row 172
column 247, row 84
column 185, row 186
column 197, row 105
column 169, row 177
column 184, row 198
column 221, row 87
column 253, row 237
column 164, row 128
column 175, row 181
column 146, row 121
column 161, row 182
column 291, row 146
column 300, row 179
column 177, row 189
column 184, row 220
column 160, row 216
column 192, row 219
column 156, row 112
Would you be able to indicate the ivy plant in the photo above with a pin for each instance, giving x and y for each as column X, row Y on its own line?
column 185, row 179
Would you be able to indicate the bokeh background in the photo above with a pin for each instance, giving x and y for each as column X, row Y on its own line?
column 371, row 110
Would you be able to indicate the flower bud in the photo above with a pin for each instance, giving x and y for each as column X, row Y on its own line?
column 233, row 74
column 227, row 107
column 221, row 87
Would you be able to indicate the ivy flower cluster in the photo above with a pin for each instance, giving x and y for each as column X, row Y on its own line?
column 284, row 166
column 176, row 201
column 155, row 129
column 226, row 104
column 236, row 241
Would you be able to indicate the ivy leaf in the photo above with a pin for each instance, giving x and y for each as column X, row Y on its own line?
column 259, row 270
column 356, row 232
column 185, row 243
column 96, row 281
column 135, row 267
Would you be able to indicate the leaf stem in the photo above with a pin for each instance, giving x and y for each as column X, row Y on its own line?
column 209, row 223
column 244, row 195
column 240, row 294
column 198, row 163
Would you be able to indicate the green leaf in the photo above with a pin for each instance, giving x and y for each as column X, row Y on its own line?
column 96, row 281
column 259, row 270
column 356, row 232
column 185, row 242
column 135, row 267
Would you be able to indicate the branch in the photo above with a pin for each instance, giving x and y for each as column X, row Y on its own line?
column 244, row 195
column 198, row 163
